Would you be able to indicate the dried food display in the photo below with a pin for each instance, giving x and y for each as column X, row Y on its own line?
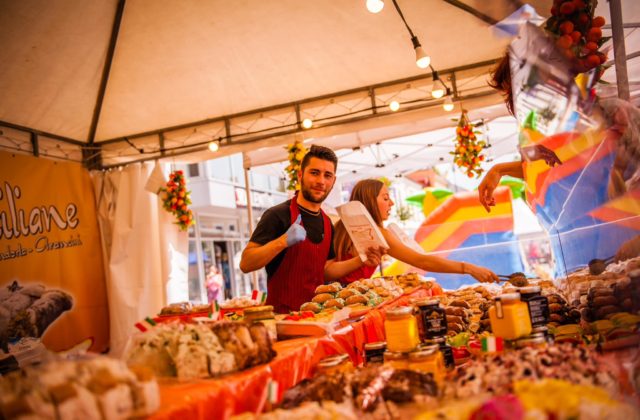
column 93, row 388
column 201, row 351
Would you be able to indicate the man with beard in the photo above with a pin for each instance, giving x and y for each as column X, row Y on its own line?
column 294, row 239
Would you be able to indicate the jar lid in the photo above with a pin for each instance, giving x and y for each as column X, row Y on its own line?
column 507, row 297
column 428, row 302
column 532, row 339
column 434, row 340
column 256, row 309
column 378, row 345
column 543, row 329
column 332, row 361
column 395, row 355
column 399, row 311
column 529, row 289
column 424, row 352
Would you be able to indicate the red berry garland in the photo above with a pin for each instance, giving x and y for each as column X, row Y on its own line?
column 176, row 199
column 578, row 34
column 468, row 149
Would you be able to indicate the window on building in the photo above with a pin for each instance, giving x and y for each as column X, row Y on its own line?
column 220, row 169
column 193, row 169
column 237, row 169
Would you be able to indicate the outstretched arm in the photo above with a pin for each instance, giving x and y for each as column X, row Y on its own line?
column 492, row 179
column 435, row 264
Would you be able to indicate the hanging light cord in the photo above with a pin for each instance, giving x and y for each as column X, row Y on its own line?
column 395, row 3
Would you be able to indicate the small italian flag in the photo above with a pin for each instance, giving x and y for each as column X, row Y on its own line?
column 258, row 296
column 492, row 344
column 214, row 313
column 146, row 324
column 272, row 391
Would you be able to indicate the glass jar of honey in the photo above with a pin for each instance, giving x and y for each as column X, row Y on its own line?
column 428, row 359
column 374, row 352
column 396, row 360
column 445, row 349
column 433, row 318
column 401, row 329
column 263, row 314
column 510, row 317
column 339, row 363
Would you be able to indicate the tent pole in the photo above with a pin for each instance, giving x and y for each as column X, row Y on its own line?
column 617, row 30
column 247, row 189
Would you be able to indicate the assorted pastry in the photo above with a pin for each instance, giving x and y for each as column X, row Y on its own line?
column 190, row 351
column 27, row 310
column 93, row 388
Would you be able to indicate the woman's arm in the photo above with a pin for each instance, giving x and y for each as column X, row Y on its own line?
column 492, row 179
column 435, row 264
column 335, row 270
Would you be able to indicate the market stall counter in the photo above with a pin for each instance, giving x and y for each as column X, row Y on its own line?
column 252, row 389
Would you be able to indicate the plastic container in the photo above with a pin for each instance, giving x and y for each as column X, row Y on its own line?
column 264, row 315
column 401, row 329
column 332, row 365
column 510, row 317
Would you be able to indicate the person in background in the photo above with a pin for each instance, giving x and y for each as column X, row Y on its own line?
column 294, row 239
column 501, row 81
column 374, row 195
column 214, row 282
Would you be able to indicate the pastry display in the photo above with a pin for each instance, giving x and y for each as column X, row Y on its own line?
column 28, row 310
column 201, row 351
column 92, row 388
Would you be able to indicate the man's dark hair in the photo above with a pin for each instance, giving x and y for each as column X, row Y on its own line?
column 320, row 152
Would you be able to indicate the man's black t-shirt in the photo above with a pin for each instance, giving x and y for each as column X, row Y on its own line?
column 275, row 222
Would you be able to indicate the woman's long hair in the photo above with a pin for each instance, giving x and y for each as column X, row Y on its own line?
column 365, row 191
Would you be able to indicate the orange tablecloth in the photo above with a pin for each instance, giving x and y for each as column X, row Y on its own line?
column 247, row 391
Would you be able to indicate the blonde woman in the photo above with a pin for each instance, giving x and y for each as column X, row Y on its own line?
column 374, row 195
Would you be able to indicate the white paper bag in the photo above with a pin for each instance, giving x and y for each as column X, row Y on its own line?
column 361, row 228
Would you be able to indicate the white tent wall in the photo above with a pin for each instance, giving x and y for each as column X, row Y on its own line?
column 145, row 253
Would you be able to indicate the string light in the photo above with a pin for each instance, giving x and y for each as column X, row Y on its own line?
column 307, row 123
column 448, row 104
column 394, row 106
column 422, row 59
column 375, row 6
column 213, row 146
column 437, row 89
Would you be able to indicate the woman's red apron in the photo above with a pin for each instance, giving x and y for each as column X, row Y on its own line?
column 363, row 272
column 301, row 269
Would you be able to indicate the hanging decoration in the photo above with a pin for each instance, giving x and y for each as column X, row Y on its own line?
column 578, row 34
column 176, row 200
column 468, row 148
column 296, row 154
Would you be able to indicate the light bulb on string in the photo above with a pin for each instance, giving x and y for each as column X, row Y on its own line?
column 448, row 104
column 375, row 6
column 437, row 89
column 307, row 123
column 394, row 106
column 422, row 59
column 213, row 146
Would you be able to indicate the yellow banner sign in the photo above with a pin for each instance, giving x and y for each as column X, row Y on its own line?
column 52, row 283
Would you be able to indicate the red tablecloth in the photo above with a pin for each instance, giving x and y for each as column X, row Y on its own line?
column 247, row 391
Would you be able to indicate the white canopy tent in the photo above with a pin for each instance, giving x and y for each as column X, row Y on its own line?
column 113, row 82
